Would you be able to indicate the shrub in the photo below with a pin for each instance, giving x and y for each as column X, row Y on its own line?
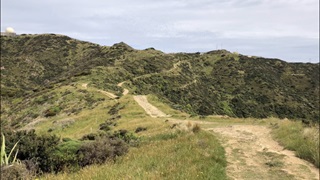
column 104, row 127
column 14, row 171
column 196, row 128
column 139, row 129
column 127, row 137
column 101, row 150
column 115, row 108
column 91, row 136
column 64, row 156
column 34, row 147
column 52, row 111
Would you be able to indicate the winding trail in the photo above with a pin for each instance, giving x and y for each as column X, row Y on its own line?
column 109, row 94
column 149, row 108
column 125, row 91
column 250, row 150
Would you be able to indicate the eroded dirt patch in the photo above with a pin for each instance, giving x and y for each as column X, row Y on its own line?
column 253, row 154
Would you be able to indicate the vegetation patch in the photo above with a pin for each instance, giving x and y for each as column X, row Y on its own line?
column 181, row 157
column 303, row 140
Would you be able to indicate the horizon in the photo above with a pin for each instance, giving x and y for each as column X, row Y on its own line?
column 109, row 45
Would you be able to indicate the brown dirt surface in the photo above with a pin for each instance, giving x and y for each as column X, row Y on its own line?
column 149, row 108
column 125, row 91
column 250, row 150
column 85, row 85
column 109, row 94
column 253, row 154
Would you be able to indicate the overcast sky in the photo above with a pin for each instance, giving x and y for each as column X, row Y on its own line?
column 285, row 29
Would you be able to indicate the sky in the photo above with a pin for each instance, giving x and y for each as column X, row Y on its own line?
column 284, row 29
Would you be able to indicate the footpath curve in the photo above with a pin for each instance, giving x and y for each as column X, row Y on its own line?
column 250, row 150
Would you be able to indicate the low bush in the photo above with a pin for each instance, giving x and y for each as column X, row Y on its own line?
column 196, row 128
column 52, row 111
column 115, row 109
column 37, row 148
column 46, row 153
column 64, row 156
column 91, row 136
column 101, row 150
column 139, row 129
column 15, row 171
column 127, row 137
column 104, row 127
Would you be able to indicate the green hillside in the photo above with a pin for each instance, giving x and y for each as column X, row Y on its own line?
column 216, row 82
column 71, row 108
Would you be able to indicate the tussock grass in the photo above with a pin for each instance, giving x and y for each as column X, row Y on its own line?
column 303, row 140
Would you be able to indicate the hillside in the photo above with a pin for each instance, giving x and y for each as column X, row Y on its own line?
column 78, row 110
column 213, row 83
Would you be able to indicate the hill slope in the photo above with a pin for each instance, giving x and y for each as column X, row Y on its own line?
column 216, row 82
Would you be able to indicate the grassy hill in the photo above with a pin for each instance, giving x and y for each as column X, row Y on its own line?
column 53, row 103
column 216, row 82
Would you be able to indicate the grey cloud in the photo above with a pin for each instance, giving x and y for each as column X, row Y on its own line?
column 272, row 28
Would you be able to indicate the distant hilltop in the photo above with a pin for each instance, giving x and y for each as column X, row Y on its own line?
column 9, row 32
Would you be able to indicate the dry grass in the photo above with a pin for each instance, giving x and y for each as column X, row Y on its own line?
column 303, row 140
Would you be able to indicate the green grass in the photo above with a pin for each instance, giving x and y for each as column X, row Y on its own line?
column 154, row 100
column 303, row 140
column 163, row 153
column 185, row 156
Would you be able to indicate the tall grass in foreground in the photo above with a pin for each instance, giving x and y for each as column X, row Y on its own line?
column 303, row 140
column 164, row 156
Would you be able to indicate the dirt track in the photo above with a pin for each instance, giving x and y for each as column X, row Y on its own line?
column 111, row 95
column 125, row 91
column 149, row 108
column 253, row 154
column 250, row 150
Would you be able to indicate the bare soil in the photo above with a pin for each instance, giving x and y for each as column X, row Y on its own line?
column 253, row 154
column 149, row 108
column 250, row 150
column 125, row 91
column 109, row 94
